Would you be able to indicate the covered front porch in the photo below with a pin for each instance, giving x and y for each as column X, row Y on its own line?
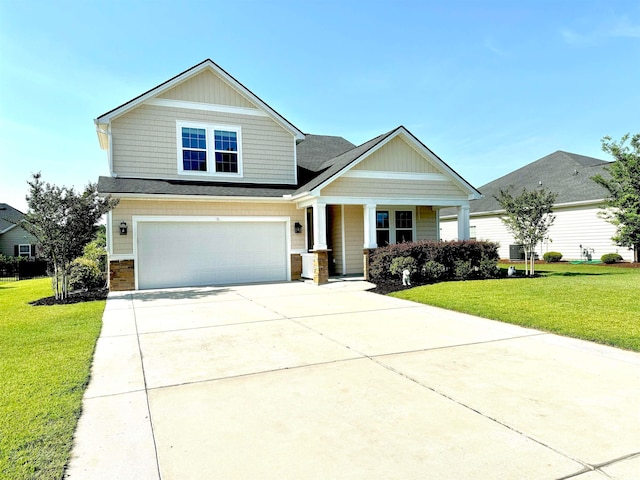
column 340, row 237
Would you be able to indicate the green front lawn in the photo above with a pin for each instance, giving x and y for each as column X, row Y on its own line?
column 590, row 302
column 45, row 357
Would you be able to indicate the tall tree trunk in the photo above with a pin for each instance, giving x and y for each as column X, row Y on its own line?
column 526, row 262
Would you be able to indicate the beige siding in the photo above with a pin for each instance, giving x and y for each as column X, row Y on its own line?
column 426, row 225
column 354, row 238
column 207, row 87
column 145, row 145
column 384, row 188
column 126, row 209
column 397, row 156
column 574, row 226
column 334, row 213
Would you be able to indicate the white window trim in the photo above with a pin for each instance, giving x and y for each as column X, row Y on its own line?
column 210, row 129
column 28, row 245
column 392, row 221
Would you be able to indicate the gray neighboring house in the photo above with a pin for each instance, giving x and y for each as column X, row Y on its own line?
column 14, row 240
column 578, row 231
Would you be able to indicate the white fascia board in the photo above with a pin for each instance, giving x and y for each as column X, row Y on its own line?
column 8, row 228
column 195, row 198
column 491, row 213
column 208, row 219
column 424, row 202
column 208, row 107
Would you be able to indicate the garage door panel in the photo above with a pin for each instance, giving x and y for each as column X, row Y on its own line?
column 210, row 253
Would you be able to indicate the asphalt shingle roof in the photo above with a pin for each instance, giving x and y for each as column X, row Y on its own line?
column 567, row 174
column 9, row 216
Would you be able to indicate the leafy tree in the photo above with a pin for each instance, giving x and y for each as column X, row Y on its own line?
column 64, row 222
column 622, row 207
column 528, row 217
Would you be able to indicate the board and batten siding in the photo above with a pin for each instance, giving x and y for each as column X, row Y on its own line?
column 354, row 239
column 126, row 209
column 145, row 145
column 397, row 156
column 426, row 224
column 207, row 87
column 574, row 226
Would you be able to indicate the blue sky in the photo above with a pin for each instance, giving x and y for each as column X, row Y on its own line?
column 488, row 85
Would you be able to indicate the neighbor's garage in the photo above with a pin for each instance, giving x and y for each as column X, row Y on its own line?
column 186, row 254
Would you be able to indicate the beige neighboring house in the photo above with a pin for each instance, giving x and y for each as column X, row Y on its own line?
column 15, row 241
column 217, row 188
column 579, row 233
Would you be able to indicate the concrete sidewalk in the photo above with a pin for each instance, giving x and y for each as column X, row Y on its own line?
column 292, row 380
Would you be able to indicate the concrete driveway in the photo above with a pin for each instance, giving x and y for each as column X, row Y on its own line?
column 295, row 381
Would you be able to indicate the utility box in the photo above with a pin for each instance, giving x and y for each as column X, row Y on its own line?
column 516, row 252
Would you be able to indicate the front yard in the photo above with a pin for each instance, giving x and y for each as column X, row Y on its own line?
column 590, row 302
column 46, row 354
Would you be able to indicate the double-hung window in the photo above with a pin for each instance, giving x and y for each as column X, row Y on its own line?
column 209, row 149
column 394, row 226
column 24, row 250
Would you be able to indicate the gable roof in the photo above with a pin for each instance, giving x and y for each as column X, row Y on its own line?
column 9, row 217
column 105, row 118
column 566, row 174
column 315, row 150
column 339, row 164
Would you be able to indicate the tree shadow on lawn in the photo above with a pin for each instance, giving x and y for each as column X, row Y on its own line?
column 551, row 273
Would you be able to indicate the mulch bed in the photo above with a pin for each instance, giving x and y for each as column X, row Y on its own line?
column 74, row 297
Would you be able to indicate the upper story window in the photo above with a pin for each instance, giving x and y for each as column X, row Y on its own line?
column 209, row 149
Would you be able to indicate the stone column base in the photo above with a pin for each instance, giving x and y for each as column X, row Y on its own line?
column 366, row 257
column 121, row 275
column 320, row 267
column 296, row 266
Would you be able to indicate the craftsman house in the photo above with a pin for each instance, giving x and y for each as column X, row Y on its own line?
column 216, row 187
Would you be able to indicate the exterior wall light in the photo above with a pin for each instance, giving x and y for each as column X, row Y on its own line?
column 123, row 228
column 297, row 227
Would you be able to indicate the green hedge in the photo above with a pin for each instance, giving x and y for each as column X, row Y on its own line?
column 433, row 261
column 611, row 258
column 551, row 257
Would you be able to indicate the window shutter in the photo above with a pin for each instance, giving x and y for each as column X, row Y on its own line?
column 16, row 251
column 33, row 250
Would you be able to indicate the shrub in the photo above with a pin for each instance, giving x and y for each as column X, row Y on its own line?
column 481, row 258
column 552, row 257
column 462, row 269
column 85, row 274
column 432, row 270
column 611, row 258
column 398, row 265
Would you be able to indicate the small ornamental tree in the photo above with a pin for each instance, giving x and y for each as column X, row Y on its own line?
column 64, row 222
column 622, row 207
column 528, row 217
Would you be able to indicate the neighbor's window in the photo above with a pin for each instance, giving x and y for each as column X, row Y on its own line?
column 200, row 143
column 472, row 232
column 24, row 250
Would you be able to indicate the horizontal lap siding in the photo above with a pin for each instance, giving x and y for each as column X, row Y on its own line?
column 126, row 209
column 144, row 145
column 385, row 188
column 397, row 156
column 574, row 226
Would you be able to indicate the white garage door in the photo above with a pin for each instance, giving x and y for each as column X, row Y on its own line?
column 186, row 254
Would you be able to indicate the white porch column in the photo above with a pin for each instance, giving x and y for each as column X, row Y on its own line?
column 370, row 240
column 463, row 222
column 319, row 226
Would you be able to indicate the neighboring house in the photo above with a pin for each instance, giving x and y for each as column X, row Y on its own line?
column 15, row 241
column 216, row 187
column 578, row 232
